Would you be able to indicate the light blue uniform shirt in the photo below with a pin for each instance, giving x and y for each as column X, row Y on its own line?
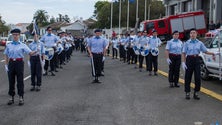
column 174, row 46
column 194, row 47
column 143, row 40
column 49, row 40
column 122, row 41
column 115, row 42
column 97, row 44
column 37, row 46
column 136, row 39
column 154, row 42
column 16, row 50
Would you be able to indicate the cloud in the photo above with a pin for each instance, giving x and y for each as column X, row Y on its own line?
column 23, row 10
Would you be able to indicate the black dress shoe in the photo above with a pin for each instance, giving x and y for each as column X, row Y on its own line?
column 32, row 88
column 21, row 101
column 176, row 85
column 140, row 70
column 56, row 71
column 171, row 85
column 52, row 74
column 45, row 74
column 187, row 96
column 155, row 74
column 97, row 81
column 37, row 88
column 10, row 101
column 94, row 81
column 60, row 67
column 195, row 96
column 102, row 74
column 150, row 73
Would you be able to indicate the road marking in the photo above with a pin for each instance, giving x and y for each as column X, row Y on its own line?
column 2, row 60
column 202, row 89
column 27, row 77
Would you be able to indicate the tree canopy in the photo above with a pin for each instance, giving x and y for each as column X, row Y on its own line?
column 102, row 12
column 3, row 28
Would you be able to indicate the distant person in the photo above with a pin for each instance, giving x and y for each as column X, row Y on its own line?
column 212, row 26
column 218, row 24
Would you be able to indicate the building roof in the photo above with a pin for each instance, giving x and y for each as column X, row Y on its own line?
column 58, row 25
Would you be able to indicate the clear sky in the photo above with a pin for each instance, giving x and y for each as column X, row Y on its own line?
column 22, row 11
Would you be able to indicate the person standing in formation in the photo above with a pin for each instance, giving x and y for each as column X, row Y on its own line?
column 173, row 54
column 191, row 63
column 154, row 43
column 143, row 43
column 50, row 41
column 14, row 65
column 36, row 62
column 97, row 50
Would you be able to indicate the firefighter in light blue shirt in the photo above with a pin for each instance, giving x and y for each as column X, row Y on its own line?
column 122, row 43
column 143, row 42
column 14, row 65
column 173, row 54
column 50, row 40
column 97, row 49
column 154, row 43
column 191, row 62
column 37, row 61
column 115, row 47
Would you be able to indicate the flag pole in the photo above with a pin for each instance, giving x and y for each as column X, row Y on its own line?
column 120, row 8
column 127, row 17
column 111, row 21
column 145, row 10
column 137, row 9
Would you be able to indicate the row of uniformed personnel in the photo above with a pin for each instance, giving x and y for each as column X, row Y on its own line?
column 14, row 60
column 176, row 51
column 126, row 43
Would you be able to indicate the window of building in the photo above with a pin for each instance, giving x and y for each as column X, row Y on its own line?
column 149, row 26
column 161, row 24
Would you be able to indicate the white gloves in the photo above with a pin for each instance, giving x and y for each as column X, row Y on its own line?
column 29, row 64
column 169, row 61
column 6, row 68
column 43, row 62
column 184, row 66
column 216, row 53
column 103, row 58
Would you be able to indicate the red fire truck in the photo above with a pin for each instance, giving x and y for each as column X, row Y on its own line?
column 181, row 22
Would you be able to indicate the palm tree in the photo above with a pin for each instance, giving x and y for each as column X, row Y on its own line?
column 41, row 17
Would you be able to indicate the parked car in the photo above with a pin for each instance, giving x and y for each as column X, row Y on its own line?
column 212, row 33
column 212, row 67
column 3, row 41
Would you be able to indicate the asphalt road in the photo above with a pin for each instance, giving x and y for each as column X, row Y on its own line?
column 125, row 97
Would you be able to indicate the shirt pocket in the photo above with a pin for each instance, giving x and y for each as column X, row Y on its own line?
column 173, row 46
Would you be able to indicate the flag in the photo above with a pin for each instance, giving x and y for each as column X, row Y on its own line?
column 35, row 28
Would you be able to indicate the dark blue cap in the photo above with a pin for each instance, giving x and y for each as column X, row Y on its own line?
column 16, row 31
column 193, row 29
column 176, row 31
column 97, row 30
column 154, row 31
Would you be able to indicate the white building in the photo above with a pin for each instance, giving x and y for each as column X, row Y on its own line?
column 212, row 8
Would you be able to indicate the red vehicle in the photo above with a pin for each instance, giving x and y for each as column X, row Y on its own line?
column 181, row 22
column 3, row 41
